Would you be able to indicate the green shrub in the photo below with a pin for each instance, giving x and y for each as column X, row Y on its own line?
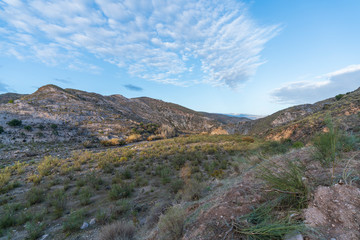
column 176, row 185
column 274, row 147
column 4, row 177
column 57, row 199
column 126, row 174
column 7, row 218
column 85, row 195
column 287, row 182
column 35, row 195
column 1, row 129
column 54, row 126
column 298, row 145
column 74, row 221
column 14, row 123
column 339, row 96
column 171, row 224
column 120, row 191
column 28, row 128
column 11, row 101
column 34, row 230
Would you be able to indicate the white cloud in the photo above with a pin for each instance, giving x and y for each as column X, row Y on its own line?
column 325, row 86
column 158, row 40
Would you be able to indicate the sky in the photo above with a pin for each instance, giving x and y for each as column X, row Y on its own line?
column 220, row 56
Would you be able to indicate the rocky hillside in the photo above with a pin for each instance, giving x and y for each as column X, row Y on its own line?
column 300, row 122
column 53, row 113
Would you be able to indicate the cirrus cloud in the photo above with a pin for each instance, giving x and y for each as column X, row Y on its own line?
column 164, row 41
column 322, row 87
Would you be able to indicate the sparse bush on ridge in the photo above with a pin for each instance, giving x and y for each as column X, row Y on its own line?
column 112, row 142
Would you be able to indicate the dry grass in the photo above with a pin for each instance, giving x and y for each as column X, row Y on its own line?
column 118, row 231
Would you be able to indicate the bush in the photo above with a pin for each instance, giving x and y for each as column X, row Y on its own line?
column 288, row 182
column 34, row 230
column 4, row 177
column 248, row 139
column 11, row 101
column 298, row 145
column 35, row 178
column 171, row 224
column 118, row 231
column 2, row 129
column 120, row 191
column 339, row 96
column 133, row 138
column 35, row 195
column 74, row 221
column 54, row 126
column 7, row 218
column 85, row 195
column 28, row 128
column 14, row 123
column 193, row 190
column 57, row 199
column 112, row 142
column 47, row 165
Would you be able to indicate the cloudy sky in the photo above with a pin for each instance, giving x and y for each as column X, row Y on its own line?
column 225, row 56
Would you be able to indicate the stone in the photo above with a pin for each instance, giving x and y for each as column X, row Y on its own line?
column 85, row 225
column 294, row 236
column 43, row 237
column 92, row 221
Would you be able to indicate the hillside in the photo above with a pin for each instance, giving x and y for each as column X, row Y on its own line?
column 80, row 115
column 301, row 122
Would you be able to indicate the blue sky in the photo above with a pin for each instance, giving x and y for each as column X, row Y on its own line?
column 229, row 56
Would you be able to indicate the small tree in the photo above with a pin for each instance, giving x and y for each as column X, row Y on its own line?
column 14, row 123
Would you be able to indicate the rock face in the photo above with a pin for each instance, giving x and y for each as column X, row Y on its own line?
column 60, row 114
column 335, row 211
column 301, row 122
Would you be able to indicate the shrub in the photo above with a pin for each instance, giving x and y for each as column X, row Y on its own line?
column 118, row 231
column 47, row 165
column 85, row 195
column 35, row 195
column 35, row 178
column 7, row 218
column 120, row 191
column 74, row 221
column 171, row 224
column 2, row 129
column 54, row 126
column 193, row 190
column 11, row 101
column 57, row 199
column 274, row 147
column 34, row 230
column 112, row 142
column 133, row 138
column 176, row 185
column 4, row 177
column 288, row 182
column 28, row 128
column 126, row 174
column 14, row 123
column 298, row 145
column 339, row 96
column 248, row 139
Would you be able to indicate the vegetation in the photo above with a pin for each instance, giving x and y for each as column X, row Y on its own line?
column 118, row 230
column 171, row 224
column 14, row 123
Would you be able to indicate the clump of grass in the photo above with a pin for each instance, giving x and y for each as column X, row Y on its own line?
column 4, row 177
column 74, row 221
column 193, row 190
column 47, row 165
column 35, row 195
column 35, row 178
column 85, row 196
column 120, row 191
column 34, row 230
column 288, row 182
column 171, row 224
column 133, row 138
column 112, row 142
column 262, row 224
column 118, row 231
column 57, row 199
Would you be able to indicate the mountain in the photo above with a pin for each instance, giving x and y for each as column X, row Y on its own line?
column 242, row 115
column 10, row 97
column 302, row 121
column 225, row 118
column 79, row 115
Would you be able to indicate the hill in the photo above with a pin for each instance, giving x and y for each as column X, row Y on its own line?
column 80, row 115
column 302, row 121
